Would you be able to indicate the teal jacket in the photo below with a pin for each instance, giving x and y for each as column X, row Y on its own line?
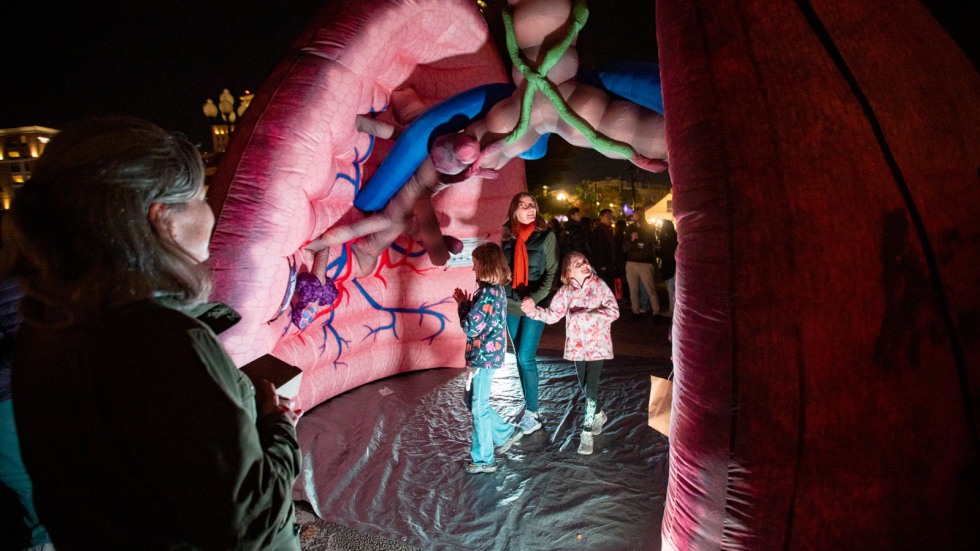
column 140, row 433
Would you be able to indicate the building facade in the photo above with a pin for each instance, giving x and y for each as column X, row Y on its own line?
column 19, row 150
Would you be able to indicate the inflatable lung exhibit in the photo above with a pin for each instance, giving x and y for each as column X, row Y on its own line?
column 824, row 159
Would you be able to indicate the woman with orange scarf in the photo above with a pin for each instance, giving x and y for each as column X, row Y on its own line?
column 531, row 249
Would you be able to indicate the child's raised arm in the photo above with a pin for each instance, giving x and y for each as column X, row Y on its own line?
column 477, row 313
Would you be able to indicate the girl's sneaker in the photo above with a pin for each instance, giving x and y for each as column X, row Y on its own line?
column 597, row 422
column 514, row 437
column 585, row 446
column 529, row 423
column 475, row 468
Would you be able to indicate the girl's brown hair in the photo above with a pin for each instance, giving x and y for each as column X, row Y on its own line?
column 566, row 265
column 491, row 266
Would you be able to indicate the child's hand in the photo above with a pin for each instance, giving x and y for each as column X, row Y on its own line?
column 527, row 306
column 460, row 296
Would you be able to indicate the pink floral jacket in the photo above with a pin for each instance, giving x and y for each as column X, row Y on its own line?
column 591, row 308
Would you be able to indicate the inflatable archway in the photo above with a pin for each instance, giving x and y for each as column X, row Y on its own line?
column 824, row 159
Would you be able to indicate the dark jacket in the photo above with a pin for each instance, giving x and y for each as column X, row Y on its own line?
column 666, row 252
column 542, row 258
column 644, row 248
column 140, row 433
column 10, row 295
column 576, row 238
column 602, row 247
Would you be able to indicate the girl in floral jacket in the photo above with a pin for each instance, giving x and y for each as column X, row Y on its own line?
column 589, row 308
column 482, row 319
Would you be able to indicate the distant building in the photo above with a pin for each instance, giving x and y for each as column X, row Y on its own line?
column 19, row 150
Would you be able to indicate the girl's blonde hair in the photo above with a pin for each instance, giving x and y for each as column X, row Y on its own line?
column 491, row 266
column 566, row 266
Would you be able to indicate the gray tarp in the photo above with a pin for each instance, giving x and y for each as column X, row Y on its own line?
column 386, row 459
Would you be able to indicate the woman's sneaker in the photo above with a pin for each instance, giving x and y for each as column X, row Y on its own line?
column 529, row 423
column 585, row 446
column 514, row 437
column 475, row 468
column 597, row 422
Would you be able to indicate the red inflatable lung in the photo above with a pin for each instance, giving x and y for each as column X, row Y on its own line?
column 824, row 159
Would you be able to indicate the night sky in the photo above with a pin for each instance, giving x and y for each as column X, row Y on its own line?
column 163, row 60
column 157, row 60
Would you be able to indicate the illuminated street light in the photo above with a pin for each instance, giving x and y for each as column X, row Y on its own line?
column 221, row 129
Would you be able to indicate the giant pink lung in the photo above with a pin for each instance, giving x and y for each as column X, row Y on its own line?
column 826, row 339
column 291, row 173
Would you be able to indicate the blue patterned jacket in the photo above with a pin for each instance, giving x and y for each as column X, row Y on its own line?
column 482, row 319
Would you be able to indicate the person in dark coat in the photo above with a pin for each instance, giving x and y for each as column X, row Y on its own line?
column 619, row 235
column 28, row 531
column 668, row 266
column 576, row 236
column 640, row 257
column 137, row 428
column 602, row 247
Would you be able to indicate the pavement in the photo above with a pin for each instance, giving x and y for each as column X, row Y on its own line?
column 643, row 336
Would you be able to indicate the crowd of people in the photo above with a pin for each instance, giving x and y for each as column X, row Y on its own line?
column 628, row 254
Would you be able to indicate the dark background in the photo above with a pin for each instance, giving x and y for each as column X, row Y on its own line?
column 163, row 60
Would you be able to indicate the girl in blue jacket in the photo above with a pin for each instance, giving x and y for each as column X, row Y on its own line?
column 482, row 318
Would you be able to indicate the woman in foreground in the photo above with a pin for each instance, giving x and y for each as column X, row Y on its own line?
column 137, row 429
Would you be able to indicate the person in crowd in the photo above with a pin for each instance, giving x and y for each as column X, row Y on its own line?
column 602, row 248
column 619, row 236
column 587, row 224
column 27, row 531
column 532, row 255
column 483, row 318
column 668, row 266
column 576, row 237
column 136, row 427
column 640, row 257
column 589, row 308
column 559, row 229
column 623, row 241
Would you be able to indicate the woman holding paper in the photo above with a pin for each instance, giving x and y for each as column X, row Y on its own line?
column 136, row 427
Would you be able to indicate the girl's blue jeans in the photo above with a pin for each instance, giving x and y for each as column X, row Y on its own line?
column 526, row 334
column 489, row 429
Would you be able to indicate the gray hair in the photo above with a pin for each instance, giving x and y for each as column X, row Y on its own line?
column 79, row 236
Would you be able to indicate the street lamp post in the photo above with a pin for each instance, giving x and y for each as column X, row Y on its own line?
column 211, row 112
column 221, row 130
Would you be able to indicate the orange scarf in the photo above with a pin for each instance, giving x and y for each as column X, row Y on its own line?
column 523, row 232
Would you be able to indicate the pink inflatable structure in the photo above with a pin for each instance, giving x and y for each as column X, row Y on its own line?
column 347, row 277
column 824, row 160
column 292, row 172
